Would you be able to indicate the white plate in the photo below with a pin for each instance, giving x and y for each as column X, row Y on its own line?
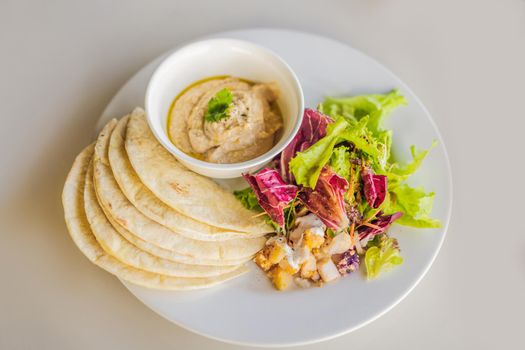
column 248, row 310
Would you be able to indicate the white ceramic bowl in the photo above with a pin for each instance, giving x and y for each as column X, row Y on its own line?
column 216, row 57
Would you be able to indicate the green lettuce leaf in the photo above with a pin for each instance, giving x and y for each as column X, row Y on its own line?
column 358, row 120
column 375, row 106
column 382, row 257
column 306, row 166
column 400, row 172
column 363, row 139
column 385, row 140
column 340, row 161
column 414, row 203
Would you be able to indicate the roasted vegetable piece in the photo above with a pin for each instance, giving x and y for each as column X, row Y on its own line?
column 349, row 262
column 327, row 269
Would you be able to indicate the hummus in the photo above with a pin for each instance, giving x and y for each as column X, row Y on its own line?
column 247, row 131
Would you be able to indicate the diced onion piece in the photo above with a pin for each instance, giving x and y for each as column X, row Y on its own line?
column 301, row 282
column 289, row 266
column 327, row 270
column 339, row 244
column 309, row 268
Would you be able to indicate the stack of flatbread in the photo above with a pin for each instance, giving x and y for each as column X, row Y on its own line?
column 139, row 214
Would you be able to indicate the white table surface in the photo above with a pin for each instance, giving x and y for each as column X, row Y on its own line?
column 62, row 61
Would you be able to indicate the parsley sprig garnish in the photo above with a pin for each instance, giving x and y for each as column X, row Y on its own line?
column 219, row 106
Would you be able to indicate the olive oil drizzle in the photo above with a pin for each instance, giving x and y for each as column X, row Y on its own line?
column 192, row 85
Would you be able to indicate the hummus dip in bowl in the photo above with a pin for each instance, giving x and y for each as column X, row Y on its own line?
column 224, row 107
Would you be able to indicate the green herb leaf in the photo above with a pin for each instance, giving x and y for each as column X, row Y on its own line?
column 330, row 232
column 249, row 201
column 248, row 198
column 218, row 106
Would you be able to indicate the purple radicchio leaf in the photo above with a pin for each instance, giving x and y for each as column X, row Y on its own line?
column 375, row 187
column 349, row 262
column 313, row 128
column 273, row 194
column 327, row 199
column 382, row 223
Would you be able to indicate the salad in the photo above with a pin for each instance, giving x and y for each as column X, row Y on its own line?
column 334, row 192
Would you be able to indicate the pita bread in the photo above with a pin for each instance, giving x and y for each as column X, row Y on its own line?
column 183, row 190
column 165, row 253
column 124, row 213
column 116, row 245
column 79, row 230
column 151, row 206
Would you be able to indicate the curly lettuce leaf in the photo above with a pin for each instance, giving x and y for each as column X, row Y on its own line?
column 398, row 172
column 358, row 121
column 340, row 161
column 375, row 106
column 306, row 166
column 414, row 203
column 382, row 257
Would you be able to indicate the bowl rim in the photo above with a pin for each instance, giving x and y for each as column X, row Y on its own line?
column 264, row 158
